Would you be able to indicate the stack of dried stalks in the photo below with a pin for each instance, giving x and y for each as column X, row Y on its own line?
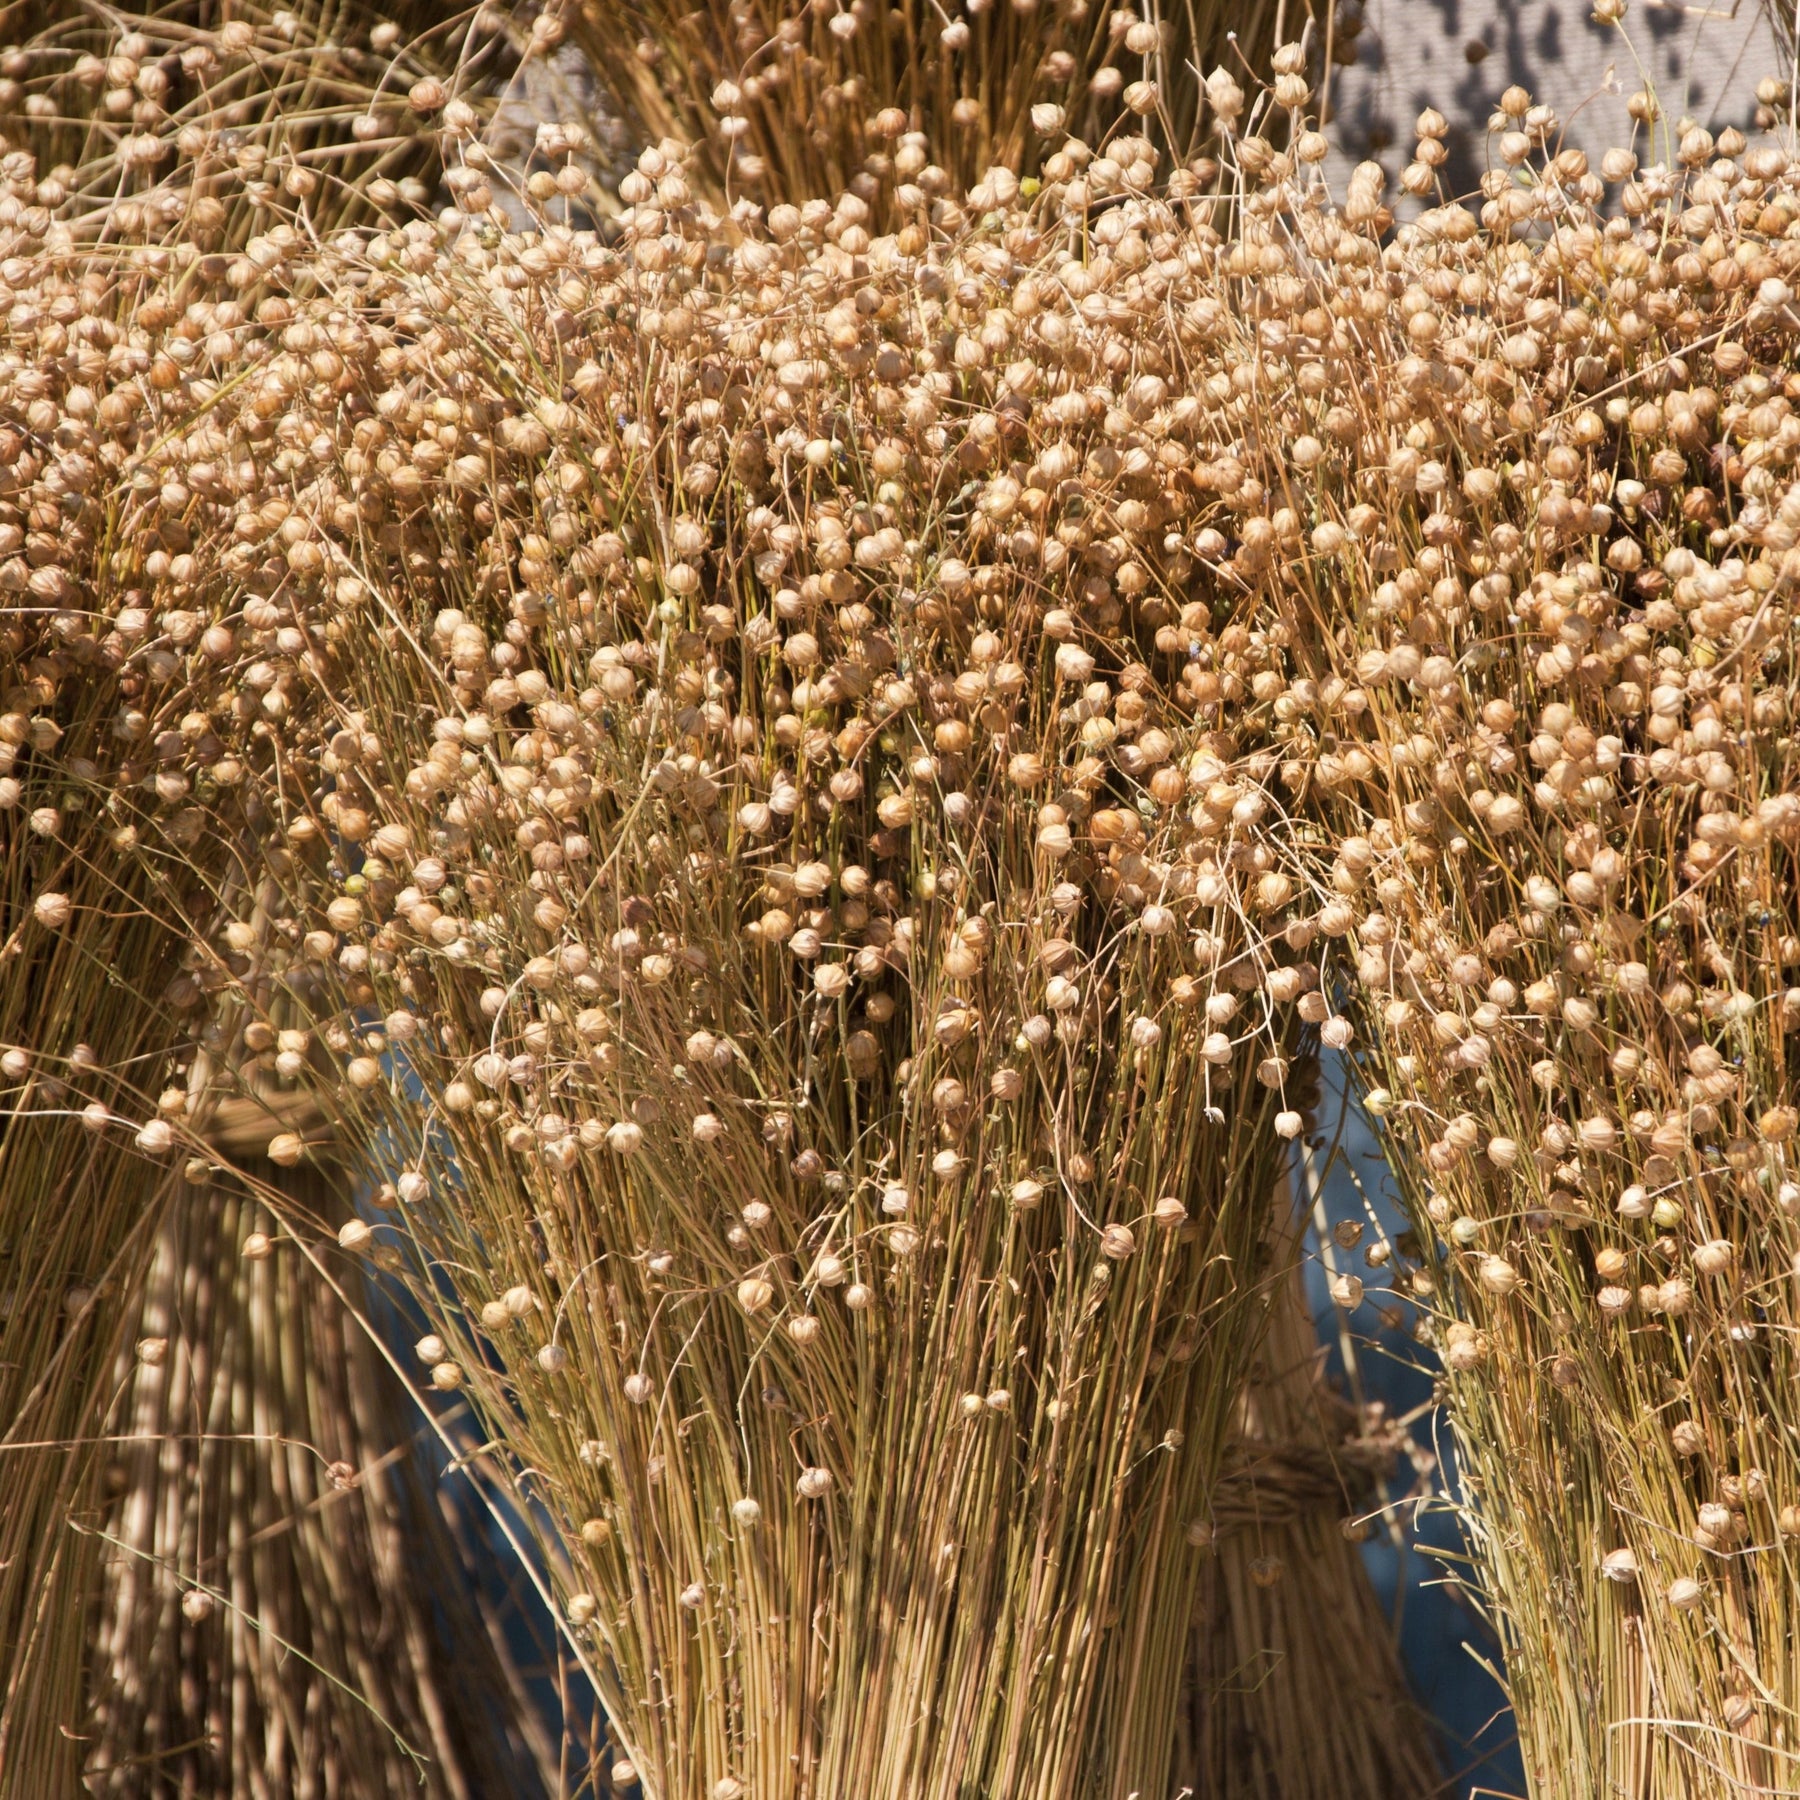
column 828, row 1157
column 284, row 1601
column 733, row 585
column 818, row 1093
column 1559, row 835
column 91, row 949
column 78, row 1211
column 794, row 102
column 1287, row 1616
column 129, row 122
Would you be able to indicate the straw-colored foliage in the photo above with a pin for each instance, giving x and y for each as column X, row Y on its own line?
column 1559, row 842
column 1296, row 1691
column 76, row 1213
column 791, row 101
column 283, row 1602
column 931, row 1213
column 803, row 781
column 127, row 125
column 821, row 1166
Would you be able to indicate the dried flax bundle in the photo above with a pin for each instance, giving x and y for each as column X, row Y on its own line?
column 1539, row 583
column 808, row 740
column 1296, row 1688
column 114, row 132
column 796, row 102
column 846, row 993
column 178, row 128
column 86, row 964
column 283, row 1602
column 843, row 1155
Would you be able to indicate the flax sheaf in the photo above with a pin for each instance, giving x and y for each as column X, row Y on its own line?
column 759, row 600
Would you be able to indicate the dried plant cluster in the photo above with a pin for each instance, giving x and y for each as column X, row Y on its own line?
column 790, row 101
column 1558, row 835
column 76, row 1210
column 174, row 125
column 87, row 949
column 894, row 1093
column 807, row 790
column 139, row 133
column 283, row 1602
column 809, row 1049
column 1286, row 1613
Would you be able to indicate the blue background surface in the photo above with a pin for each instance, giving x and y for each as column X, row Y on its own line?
column 1441, row 1637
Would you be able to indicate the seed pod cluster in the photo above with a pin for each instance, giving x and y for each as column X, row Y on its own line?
column 1545, row 566
column 117, row 144
column 735, row 827
column 922, row 107
column 816, row 785
column 172, row 135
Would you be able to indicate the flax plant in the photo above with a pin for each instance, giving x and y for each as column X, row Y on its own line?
column 173, row 118
column 810, row 784
column 1296, row 1688
column 1540, row 580
column 795, row 102
column 116, row 128
column 831, row 1147
column 283, row 1601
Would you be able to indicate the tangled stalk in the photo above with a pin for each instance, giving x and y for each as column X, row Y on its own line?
column 1287, row 1614
column 1031, row 1167
column 133, row 125
column 788, row 1283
